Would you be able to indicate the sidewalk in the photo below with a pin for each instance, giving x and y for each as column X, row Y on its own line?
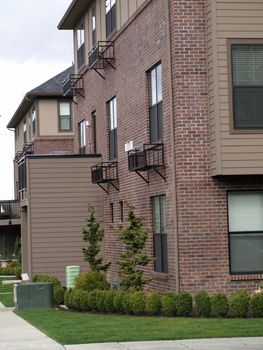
column 17, row 334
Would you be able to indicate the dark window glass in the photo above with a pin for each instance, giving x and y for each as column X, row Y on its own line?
column 156, row 104
column 245, row 222
column 80, row 45
column 159, row 233
column 22, row 175
column 110, row 16
column 247, row 78
column 34, row 121
column 24, row 130
column 112, row 112
column 94, row 131
column 121, row 212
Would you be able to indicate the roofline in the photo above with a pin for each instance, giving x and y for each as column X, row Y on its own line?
column 73, row 14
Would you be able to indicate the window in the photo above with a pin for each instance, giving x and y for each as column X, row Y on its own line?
column 159, row 233
column 34, row 121
column 24, row 129
column 156, row 105
column 80, row 45
column 93, row 26
column 112, row 111
column 64, row 116
column 93, row 127
column 110, row 16
column 247, row 85
column 245, row 224
column 121, row 211
column 82, row 136
column 22, row 175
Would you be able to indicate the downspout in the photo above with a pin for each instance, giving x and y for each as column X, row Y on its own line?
column 172, row 137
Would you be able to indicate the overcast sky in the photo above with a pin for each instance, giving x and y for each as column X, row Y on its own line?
column 32, row 51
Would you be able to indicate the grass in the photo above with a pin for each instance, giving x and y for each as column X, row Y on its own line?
column 7, row 299
column 79, row 328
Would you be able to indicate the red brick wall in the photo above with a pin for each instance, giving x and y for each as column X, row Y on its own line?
column 47, row 145
column 201, row 199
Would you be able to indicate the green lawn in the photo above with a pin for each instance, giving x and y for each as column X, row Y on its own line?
column 79, row 328
column 7, row 299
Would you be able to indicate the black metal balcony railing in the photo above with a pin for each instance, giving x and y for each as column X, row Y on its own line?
column 101, row 55
column 73, row 85
column 151, row 157
column 104, row 173
column 9, row 210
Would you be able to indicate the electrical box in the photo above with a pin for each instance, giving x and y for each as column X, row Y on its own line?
column 71, row 273
column 33, row 296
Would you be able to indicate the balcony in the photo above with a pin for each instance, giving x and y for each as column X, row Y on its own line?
column 9, row 210
column 151, row 157
column 101, row 56
column 105, row 173
column 73, row 85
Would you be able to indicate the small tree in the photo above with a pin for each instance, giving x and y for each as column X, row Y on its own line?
column 93, row 234
column 131, row 263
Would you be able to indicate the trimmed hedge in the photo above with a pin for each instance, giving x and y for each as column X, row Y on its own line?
column 92, row 280
column 239, row 303
column 203, row 304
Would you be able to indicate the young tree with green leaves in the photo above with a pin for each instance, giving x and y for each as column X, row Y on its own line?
column 93, row 234
column 134, row 259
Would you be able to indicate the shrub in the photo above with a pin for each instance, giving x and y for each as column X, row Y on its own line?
column 67, row 298
column 118, row 301
column 153, row 303
column 126, row 303
column 261, row 285
column 100, row 300
column 168, row 304
column 18, row 271
column 137, row 303
column 239, row 303
column 203, row 304
column 256, row 304
column 109, row 301
column 219, row 304
column 91, row 280
column 184, row 303
column 92, row 306
column 58, row 295
column 75, row 299
column 46, row 278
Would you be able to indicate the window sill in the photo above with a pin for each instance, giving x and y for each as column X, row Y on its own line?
column 246, row 277
column 161, row 276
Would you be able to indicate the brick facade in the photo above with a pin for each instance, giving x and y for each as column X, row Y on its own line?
column 53, row 144
column 201, row 199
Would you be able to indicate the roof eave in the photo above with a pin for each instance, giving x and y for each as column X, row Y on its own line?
column 73, row 14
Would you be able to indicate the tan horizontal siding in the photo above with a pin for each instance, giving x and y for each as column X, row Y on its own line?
column 232, row 19
column 60, row 193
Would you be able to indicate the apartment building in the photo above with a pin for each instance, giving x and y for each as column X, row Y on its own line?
column 170, row 94
column 52, row 184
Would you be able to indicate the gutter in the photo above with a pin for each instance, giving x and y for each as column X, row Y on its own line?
column 172, row 136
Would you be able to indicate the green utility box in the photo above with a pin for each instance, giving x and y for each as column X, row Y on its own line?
column 71, row 273
column 33, row 296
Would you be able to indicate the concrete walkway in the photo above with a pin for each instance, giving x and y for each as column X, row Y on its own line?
column 17, row 334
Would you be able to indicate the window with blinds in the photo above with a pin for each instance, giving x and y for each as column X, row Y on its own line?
column 245, row 222
column 247, row 85
column 112, row 112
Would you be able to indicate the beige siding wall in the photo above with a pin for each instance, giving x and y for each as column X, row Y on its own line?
column 48, row 118
column 124, row 10
column 60, row 192
column 235, row 19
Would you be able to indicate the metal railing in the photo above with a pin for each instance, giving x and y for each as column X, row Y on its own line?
column 9, row 209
